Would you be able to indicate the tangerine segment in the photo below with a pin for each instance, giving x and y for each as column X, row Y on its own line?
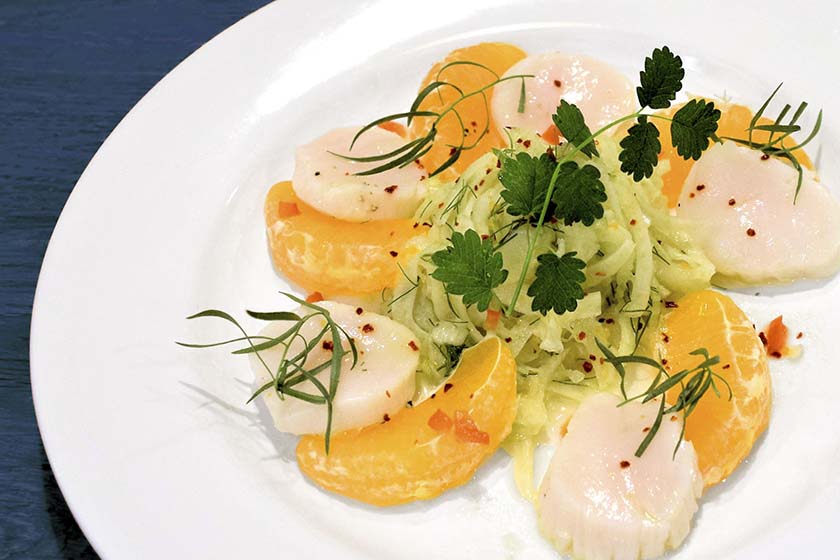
column 325, row 254
column 734, row 121
column 404, row 459
column 474, row 112
column 722, row 431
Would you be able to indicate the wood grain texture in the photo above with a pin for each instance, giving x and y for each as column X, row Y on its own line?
column 69, row 71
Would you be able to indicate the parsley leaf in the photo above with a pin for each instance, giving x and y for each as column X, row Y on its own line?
column 578, row 194
column 640, row 149
column 470, row 267
column 526, row 179
column 661, row 79
column 569, row 121
column 558, row 283
column 692, row 127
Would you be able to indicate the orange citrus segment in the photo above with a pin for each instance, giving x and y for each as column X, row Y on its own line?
column 406, row 458
column 325, row 254
column 734, row 121
column 475, row 116
column 722, row 431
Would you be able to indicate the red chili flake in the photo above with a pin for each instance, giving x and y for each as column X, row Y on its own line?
column 317, row 173
column 527, row 143
column 671, row 304
column 440, row 421
column 690, row 195
column 581, row 335
column 519, row 140
column 609, row 321
column 390, row 189
column 359, row 311
column 440, row 206
column 587, row 367
column 481, row 183
column 473, row 123
column 777, row 337
column 327, row 345
column 508, row 339
column 485, row 236
column 592, row 357
column 751, row 232
column 452, row 151
column 558, row 83
column 701, row 187
column 387, row 393
column 633, row 222
column 487, row 171
column 646, row 429
column 446, row 387
column 367, row 328
column 467, row 431
column 314, row 297
column 673, row 418
column 731, row 202
column 664, row 361
column 413, row 345
column 427, row 224
column 727, row 366
column 498, row 164
column 665, row 338
column 386, row 418
column 475, row 188
column 800, row 335
column 393, row 253
column 624, row 464
column 765, row 157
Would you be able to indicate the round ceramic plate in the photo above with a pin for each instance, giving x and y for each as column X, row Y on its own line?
column 152, row 444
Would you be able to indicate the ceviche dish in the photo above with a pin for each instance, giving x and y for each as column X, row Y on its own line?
column 536, row 252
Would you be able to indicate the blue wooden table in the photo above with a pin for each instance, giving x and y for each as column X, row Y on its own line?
column 69, row 71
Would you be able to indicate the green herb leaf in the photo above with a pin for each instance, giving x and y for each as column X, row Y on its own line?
column 579, row 194
column 557, row 286
column 640, row 149
column 693, row 126
column 470, row 267
column 526, row 179
column 570, row 122
column 661, row 79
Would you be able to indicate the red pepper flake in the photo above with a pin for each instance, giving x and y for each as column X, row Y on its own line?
column 700, row 187
column 393, row 253
column 390, row 189
column 763, row 338
column 527, row 143
column 777, row 337
column 673, row 418
column 481, row 183
column 665, row 338
column 751, row 232
column 690, row 195
column 592, row 357
column 671, row 304
column 413, row 346
column 587, row 367
column 485, row 236
column 314, row 297
column 664, row 361
column 624, row 464
column 367, row 328
column 727, row 366
column 800, row 335
column 452, row 151
column 519, row 140
column 646, row 429
column 440, row 421
column 609, row 321
column 446, row 387
column 581, row 335
column 386, row 418
column 359, row 311
column 387, row 393
column 327, row 345
column 633, row 222
column 731, row 202
column 487, row 172
column 287, row 209
column 473, row 124
column 467, row 431
column 439, row 206
column 765, row 157
column 558, row 83
column 416, row 225
column 317, row 173
column 508, row 339
column 498, row 164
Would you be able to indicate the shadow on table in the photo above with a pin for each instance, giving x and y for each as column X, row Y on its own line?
column 71, row 541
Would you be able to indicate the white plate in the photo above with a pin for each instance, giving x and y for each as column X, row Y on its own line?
column 152, row 444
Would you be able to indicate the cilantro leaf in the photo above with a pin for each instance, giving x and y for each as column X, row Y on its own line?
column 558, row 283
column 661, row 79
column 640, row 149
column 526, row 179
column 470, row 267
column 692, row 127
column 578, row 194
column 569, row 121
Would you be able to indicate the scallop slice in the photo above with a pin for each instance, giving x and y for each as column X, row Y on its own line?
column 378, row 387
column 600, row 92
column 599, row 501
column 329, row 183
column 742, row 207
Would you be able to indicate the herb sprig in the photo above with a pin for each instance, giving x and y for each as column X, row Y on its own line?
column 292, row 369
column 694, row 384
